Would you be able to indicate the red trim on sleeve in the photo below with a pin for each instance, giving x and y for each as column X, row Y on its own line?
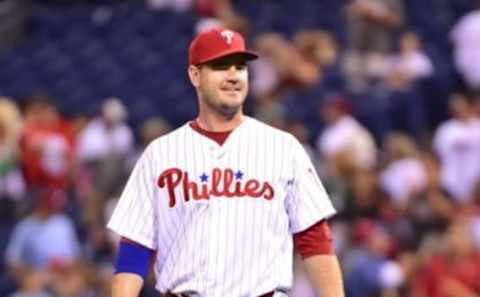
column 316, row 240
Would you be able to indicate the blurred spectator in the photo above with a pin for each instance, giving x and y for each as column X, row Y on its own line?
column 104, row 145
column 368, row 270
column 465, row 36
column 265, row 78
column 431, row 210
column 404, row 176
column 457, row 143
column 372, row 23
column 43, row 240
column 316, row 46
column 454, row 271
column 411, row 62
column 363, row 196
column 106, row 134
column 46, row 145
column 12, row 185
column 321, row 49
column 371, row 28
column 345, row 144
column 280, row 66
column 404, row 106
column 10, row 122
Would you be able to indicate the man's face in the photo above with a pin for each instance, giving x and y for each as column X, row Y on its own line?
column 222, row 84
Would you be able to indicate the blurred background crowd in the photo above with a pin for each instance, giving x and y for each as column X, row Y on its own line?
column 384, row 95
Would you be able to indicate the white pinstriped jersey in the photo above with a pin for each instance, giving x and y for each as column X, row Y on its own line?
column 221, row 217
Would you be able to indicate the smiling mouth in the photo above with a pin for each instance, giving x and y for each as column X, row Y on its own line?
column 231, row 90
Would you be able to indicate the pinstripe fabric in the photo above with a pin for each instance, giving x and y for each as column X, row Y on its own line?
column 237, row 239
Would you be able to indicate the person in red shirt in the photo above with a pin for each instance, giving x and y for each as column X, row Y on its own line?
column 453, row 272
column 47, row 146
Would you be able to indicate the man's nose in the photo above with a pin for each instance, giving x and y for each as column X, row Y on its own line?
column 232, row 73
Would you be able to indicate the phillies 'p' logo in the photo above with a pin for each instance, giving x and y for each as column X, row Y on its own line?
column 228, row 35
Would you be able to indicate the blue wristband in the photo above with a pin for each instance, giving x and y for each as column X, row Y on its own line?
column 133, row 258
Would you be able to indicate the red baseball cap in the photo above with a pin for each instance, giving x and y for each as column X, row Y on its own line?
column 217, row 43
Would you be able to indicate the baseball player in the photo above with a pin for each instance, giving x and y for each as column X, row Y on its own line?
column 218, row 204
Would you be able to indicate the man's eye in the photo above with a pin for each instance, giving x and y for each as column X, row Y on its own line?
column 221, row 66
column 241, row 66
column 227, row 66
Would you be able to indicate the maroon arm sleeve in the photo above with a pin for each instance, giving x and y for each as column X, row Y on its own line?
column 316, row 240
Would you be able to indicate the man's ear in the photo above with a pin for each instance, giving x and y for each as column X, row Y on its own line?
column 194, row 75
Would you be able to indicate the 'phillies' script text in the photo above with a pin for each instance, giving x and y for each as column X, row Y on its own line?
column 222, row 184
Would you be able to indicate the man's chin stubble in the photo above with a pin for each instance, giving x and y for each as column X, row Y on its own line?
column 227, row 112
column 223, row 110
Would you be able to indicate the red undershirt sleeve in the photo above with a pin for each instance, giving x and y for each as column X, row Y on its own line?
column 316, row 240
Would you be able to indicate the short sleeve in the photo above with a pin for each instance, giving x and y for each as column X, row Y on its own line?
column 134, row 216
column 307, row 201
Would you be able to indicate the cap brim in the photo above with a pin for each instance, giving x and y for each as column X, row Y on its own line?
column 248, row 56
